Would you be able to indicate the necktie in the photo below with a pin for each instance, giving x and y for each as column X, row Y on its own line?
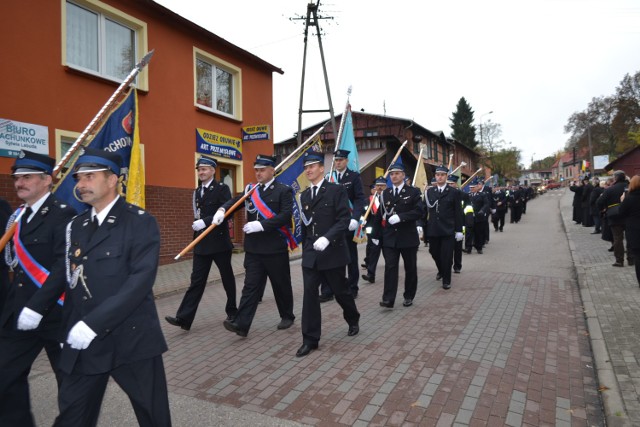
column 27, row 213
column 93, row 226
column 313, row 192
column 396, row 192
column 339, row 177
column 202, row 191
column 261, row 189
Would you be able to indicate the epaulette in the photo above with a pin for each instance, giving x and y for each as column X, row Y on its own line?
column 136, row 210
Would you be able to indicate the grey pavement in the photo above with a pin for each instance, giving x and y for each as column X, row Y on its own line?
column 510, row 344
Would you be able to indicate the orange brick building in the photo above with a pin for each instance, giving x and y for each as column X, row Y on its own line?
column 64, row 59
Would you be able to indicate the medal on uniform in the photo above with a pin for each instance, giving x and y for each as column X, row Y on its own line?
column 77, row 252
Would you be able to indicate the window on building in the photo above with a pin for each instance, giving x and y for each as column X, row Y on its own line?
column 217, row 86
column 435, row 151
column 103, row 41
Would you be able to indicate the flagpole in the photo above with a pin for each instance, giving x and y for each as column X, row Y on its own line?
column 87, row 131
column 415, row 174
column 462, row 164
column 470, row 178
column 363, row 218
column 241, row 200
column 450, row 160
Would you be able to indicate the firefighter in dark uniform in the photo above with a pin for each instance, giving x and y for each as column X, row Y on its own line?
column 325, row 218
column 444, row 226
column 500, row 202
column 373, row 245
column 516, row 204
column 352, row 182
column 30, row 319
column 396, row 224
column 111, row 323
column 214, row 247
column 5, row 213
column 266, row 245
column 452, row 181
column 488, row 192
column 481, row 212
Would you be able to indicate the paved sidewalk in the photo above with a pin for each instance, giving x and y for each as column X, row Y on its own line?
column 611, row 298
column 507, row 345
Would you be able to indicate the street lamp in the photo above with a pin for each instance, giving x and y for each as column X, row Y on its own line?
column 480, row 121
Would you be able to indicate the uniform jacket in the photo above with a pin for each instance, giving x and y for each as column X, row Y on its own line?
column 120, row 262
column 445, row 212
column 481, row 205
column 500, row 200
column 43, row 238
column 409, row 207
column 352, row 182
column 327, row 215
column 218, row 240
column 279, row 198
column 611, row 196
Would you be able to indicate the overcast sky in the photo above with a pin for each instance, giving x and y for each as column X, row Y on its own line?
column 532, row 63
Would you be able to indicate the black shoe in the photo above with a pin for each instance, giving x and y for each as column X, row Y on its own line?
column 386, row 304
column 446, row 286
column 325, row 298
column 631, row 262
column 231, row 317
column 285, row 324
column 479, row 251
column 595, row 232
column 610, row 249
column 495, row 229
column 305, row 349
column 353, row 330
column 438, row 276
column 407, row 302
column 176, row 321
column 456, row 271
column 467, row 251
column 501, row 230
column 368, row 278
column 363, row 265
column 232, row 327
column 618, row 264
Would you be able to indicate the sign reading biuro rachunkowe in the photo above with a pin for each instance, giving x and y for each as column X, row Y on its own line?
column 16, row 136
column 219, row 145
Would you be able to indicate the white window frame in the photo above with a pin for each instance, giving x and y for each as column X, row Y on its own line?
column 104, row 12
column 236, row 77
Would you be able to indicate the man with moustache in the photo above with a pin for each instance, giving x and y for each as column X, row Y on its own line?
column 325, row 219
column 266, row 246
column 31, row 317
column 111, row 323
column 396, row 225
column 214, row 247
column 444, row 227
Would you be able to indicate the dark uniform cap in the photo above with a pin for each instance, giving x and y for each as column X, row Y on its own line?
column 95, row 160
column 311, row 158
column 452, row 178
column 341, row 154
column 29, row 162
column 381, row 180
column 206, row 161
column 396, row 167
column 475, row 181
column 262, row 161
column 442, row 168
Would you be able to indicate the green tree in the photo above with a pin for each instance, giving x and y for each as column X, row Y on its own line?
column 506, row 162
column 462, row 124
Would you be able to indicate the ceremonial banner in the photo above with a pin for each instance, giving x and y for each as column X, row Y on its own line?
column 119, row 134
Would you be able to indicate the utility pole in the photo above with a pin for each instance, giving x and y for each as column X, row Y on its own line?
column 313, row 20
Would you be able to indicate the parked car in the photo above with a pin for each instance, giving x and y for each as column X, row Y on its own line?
column 553, row 185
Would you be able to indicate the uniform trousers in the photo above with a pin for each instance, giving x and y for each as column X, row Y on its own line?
column 18, row 350
column 199, row 276
column 457, row 255
column 311, row 313
column 441, row 250
column 144, row 382
column 479, row 236
column 257, row 268
column 353, row 270
column 498, row 219
column 372, row 258
column 618, row 243
column 392, row 269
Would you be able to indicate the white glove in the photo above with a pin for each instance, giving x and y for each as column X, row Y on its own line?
column 375, row 241
column 218, row 217
column 419, row 230
column 321, row 244
column 252, row 227
column 493, row 211
column 28, row 319
column 80, row 336
column 459, row 236
column 368, row 230
column 353, row 225
column 198, row 225
column 393, row 219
